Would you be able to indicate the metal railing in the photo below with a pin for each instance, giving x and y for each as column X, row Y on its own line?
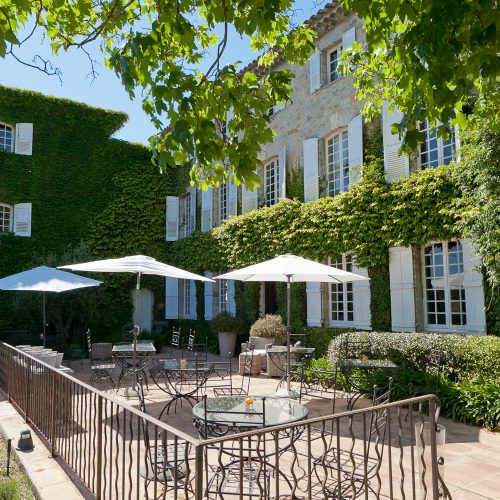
column 120, row 452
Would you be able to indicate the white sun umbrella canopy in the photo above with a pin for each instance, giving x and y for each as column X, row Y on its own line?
column 291, row 269
column 46, row 279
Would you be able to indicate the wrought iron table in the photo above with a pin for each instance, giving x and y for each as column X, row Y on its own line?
column 278, row 355
column 123, row 354
column 362, row 374
column 183, row 380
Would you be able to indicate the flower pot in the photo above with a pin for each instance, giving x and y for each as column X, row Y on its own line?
column 227, row 343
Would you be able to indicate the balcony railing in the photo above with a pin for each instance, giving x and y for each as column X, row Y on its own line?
column 119, row 452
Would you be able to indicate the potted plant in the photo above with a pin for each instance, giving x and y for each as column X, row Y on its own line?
column 228, row 328
column 270, row 327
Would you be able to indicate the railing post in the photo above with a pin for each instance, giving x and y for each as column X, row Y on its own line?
column 198, row 478
column 99, row 448
column 28, row 388
column 434, row 459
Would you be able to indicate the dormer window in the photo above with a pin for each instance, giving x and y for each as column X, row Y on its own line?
column 6, row 138
column 333, row 64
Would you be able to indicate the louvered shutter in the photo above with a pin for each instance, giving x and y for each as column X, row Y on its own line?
column 248, row 200
column 172, row 218
column 361, row 300
column 24, row 139
column 313, row 295
column 232, row 197
column 22, row 219
column 231, row 304
column 192, row 201
column 282, row 173
column 192, row 299
column 171, row 298
column 355, row 138
column 402, row 289
column 395, row 166
column 208, row 297
column 311, row 174
column 315, row 71
column 348, row 38
column 474, row 292
column 206, row 210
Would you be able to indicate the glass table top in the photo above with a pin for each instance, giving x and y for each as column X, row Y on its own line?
column 140, row 347
column 232, row 409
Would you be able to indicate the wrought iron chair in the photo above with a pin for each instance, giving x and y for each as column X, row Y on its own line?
column 345, row 473
column 243, row 390
column 99, row 371
column 175, row 343
column 165, row 460
column 193, row 349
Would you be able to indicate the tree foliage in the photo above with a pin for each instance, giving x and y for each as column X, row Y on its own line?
column 435, row 60
column 158, row 46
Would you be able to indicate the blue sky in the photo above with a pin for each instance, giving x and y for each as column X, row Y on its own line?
column 106, row 91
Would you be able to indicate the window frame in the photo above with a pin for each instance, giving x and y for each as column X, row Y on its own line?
column 331, row 167
column 222, row 296
column 271, row 189
column 333, row 76
column 439, row 144
column 186, row 299
column 3, row 208
column 448, row 288
column 223, row 202
column 3, row 140
column 187, row 215
column 346, row 290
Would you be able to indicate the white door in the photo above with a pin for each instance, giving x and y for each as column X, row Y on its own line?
column 143, row 308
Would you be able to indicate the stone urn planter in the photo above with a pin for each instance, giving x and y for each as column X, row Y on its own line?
column 227, row 343
column 228, row 328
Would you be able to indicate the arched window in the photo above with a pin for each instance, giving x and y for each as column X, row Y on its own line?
column 6, row 214
column 6, row 138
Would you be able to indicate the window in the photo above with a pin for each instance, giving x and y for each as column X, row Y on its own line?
column 5, row 218
column 187, row 299
column 223, row 198
column 444, row 291
column 6, row 138
column 435, row 151
column 333, row 64
column 271, row 183
column 187, row 215
column 341, row 294
column 337, row 156
column 223, row 297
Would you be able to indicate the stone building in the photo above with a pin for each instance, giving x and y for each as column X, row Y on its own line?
column 320, row 132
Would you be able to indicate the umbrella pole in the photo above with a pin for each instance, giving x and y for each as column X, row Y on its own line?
column 135, row 330
column 43, row 306
column 288, row 362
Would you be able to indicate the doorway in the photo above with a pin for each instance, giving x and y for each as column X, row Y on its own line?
column 270, row 299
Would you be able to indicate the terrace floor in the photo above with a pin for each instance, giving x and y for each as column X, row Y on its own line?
column 472, row 455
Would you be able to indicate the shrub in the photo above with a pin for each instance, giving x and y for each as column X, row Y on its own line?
column 462, row 357
column 271, row 325
column 8, row 489
column 320, row 338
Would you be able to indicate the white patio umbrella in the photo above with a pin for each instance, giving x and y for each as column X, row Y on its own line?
column 139, row 265
column 291, row 269
column 46, row 279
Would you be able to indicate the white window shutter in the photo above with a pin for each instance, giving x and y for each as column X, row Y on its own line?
column 282, row 173
column 172, row 218
column 313, row 295
column 361, row 300
column 248, row 200
column 192, row 299
column 24, row 139
column 402, row 289
column 474, row 292
column 22, row 219
column 171, row 298
column 232, row 197
column 355, row 137
column 192, row 201
column 206, row 210
column 311, row 173
column 278, row 107
column 395, row 166
column 231, row 304
column 348, row 38
column 315, row 71
column 209, row 308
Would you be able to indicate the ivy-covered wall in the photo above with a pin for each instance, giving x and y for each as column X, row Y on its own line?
column 83, row 185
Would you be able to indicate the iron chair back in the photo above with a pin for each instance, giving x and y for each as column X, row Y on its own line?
column 99, row 371
column 175, row 343
column 246, row 369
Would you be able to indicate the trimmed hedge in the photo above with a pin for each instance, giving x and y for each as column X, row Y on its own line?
column 466, row 358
